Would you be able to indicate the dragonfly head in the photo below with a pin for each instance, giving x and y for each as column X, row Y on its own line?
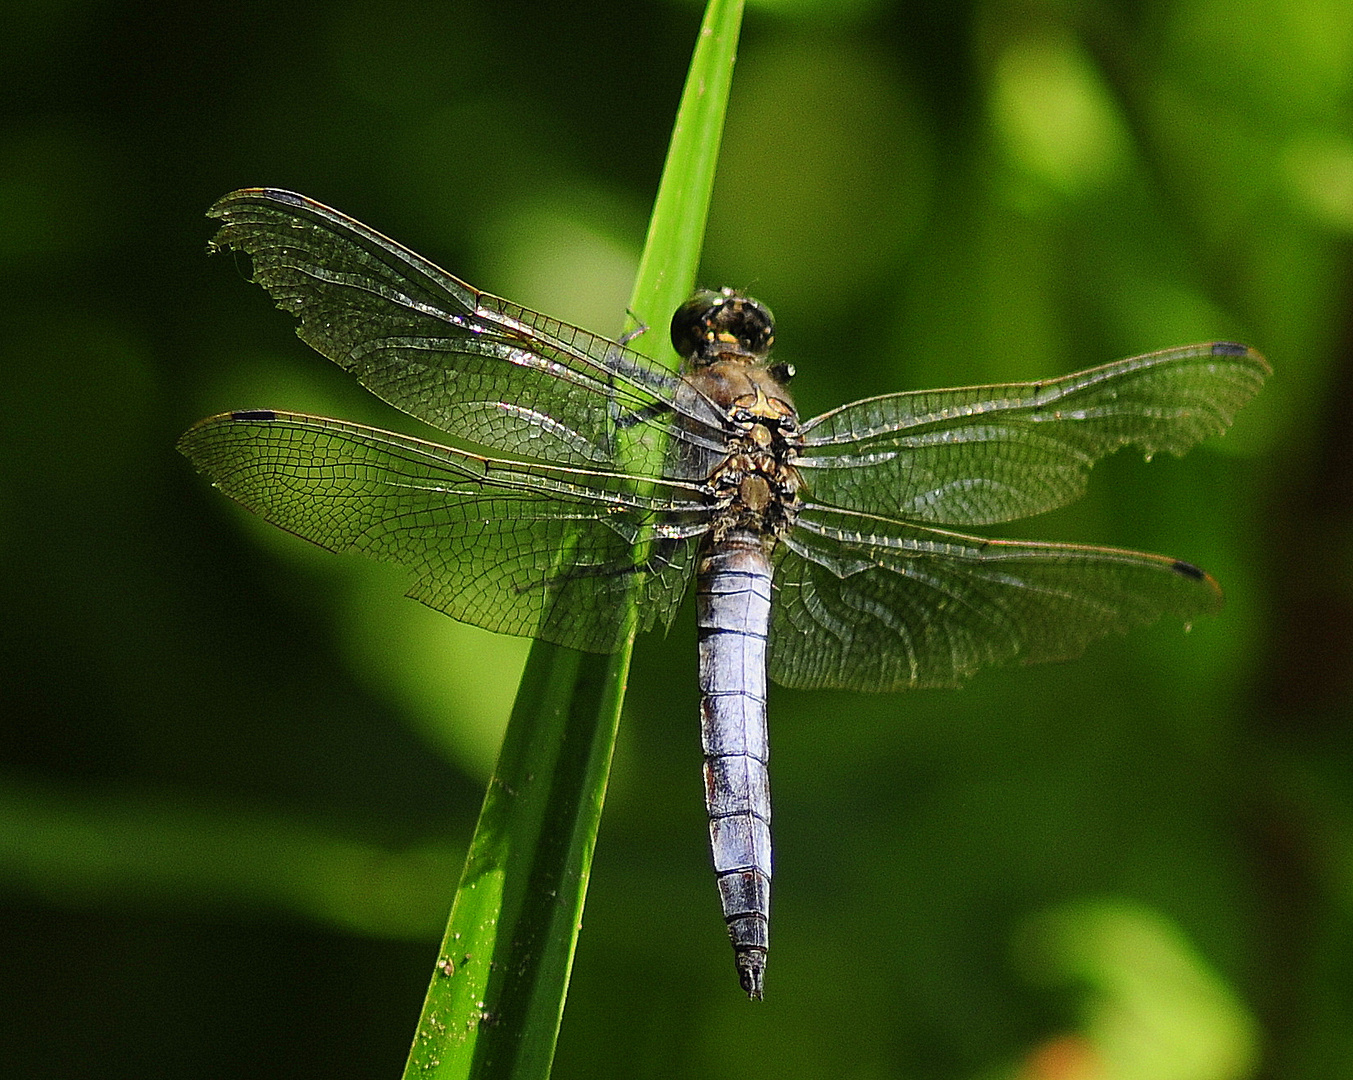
column 723, row 325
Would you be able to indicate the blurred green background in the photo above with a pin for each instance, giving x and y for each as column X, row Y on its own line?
column 239, row 774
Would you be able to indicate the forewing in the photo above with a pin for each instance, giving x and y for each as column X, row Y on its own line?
column 982, row 454
column 554, row 553
column 866, row 603
column 481, row 368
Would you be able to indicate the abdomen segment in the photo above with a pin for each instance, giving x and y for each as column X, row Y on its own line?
column 733, row 616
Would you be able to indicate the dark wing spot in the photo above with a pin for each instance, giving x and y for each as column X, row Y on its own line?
column 254, row 414
column 1188, row 570
column 1228, row 348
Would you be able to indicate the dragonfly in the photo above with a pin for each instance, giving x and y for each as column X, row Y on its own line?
column 823, row 551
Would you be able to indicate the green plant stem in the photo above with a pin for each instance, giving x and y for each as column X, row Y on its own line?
column 497, row 994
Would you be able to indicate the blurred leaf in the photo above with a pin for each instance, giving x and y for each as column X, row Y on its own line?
column 1153, row 1010
column 133, row 852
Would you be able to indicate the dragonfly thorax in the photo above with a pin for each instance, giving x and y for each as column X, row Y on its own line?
column 756, row 481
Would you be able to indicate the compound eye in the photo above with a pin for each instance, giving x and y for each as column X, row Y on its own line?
column 752, row 324
column 692, row 321
column 724, row 323
column 782, row 371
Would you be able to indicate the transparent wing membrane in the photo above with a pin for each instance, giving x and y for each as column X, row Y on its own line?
column 982, row 454
column 481, row 368
column 868, row 603
column 533, row 550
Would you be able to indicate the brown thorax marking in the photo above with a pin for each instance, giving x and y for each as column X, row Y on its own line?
column 758, row 476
